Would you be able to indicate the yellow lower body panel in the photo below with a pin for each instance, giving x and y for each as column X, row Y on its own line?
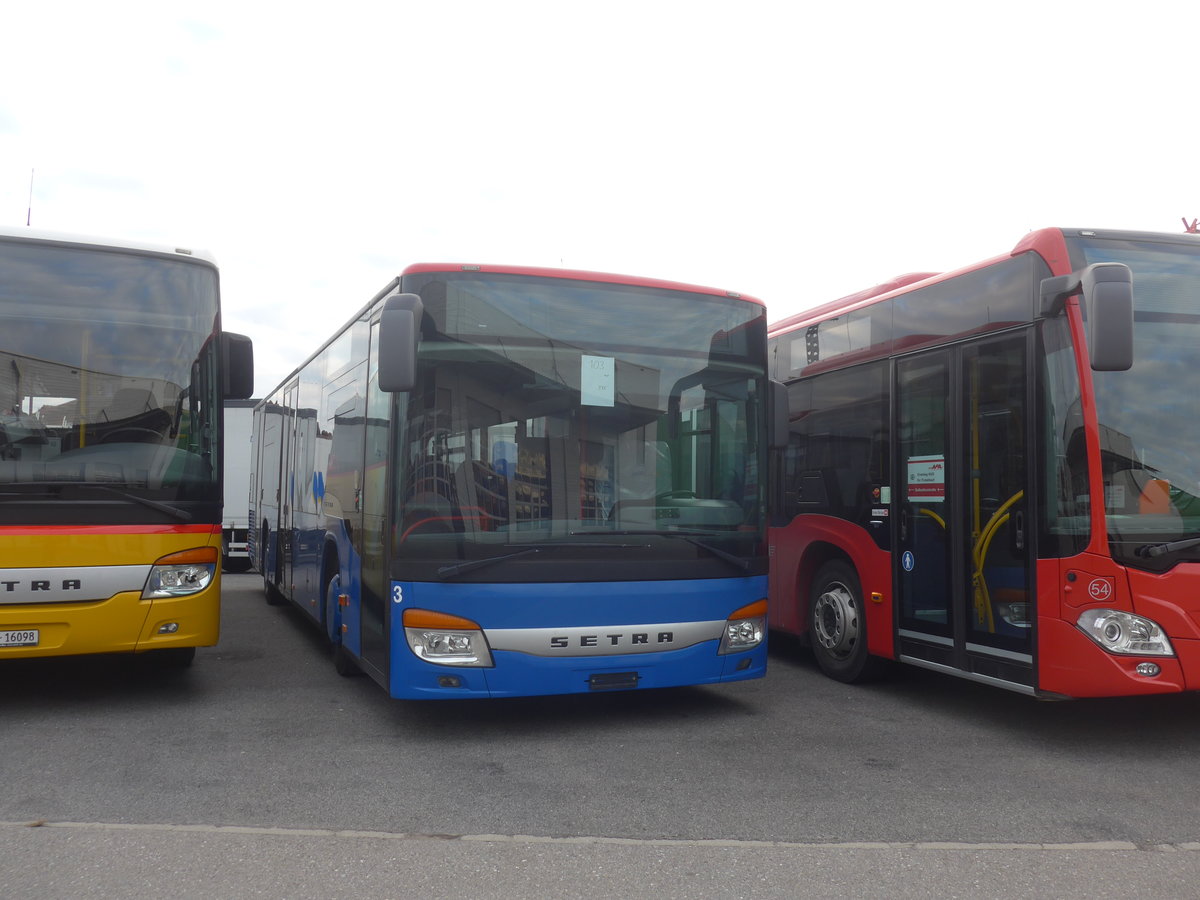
column 121, row 623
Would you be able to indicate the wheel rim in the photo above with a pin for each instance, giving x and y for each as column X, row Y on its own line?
column 835, row 620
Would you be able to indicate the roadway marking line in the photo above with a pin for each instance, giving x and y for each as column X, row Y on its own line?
column 1071, row 846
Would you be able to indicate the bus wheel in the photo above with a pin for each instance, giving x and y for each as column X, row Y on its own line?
column 343, row 662
column 273, row 594
column 172, row 657
column 838, row 626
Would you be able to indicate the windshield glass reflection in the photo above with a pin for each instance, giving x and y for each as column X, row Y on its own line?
column 107, row 372
column 1149, row 430
column 581, row 414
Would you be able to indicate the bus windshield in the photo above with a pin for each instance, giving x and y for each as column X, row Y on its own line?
column 108, row 384
column 1149, row 430
column 560, row 415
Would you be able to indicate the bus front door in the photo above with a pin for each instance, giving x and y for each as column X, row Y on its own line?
column 375, row 621
column 963, row 586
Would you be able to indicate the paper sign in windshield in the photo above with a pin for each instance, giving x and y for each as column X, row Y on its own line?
column 927, row 478
column 597, row 380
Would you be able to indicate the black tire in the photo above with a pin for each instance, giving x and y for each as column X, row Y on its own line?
column 344, row 664
column 172, row 657
column 274, row 597
column 329, row 571
column 838, row 626
column 235, row 565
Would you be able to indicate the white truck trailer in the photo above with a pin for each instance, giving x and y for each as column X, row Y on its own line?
column 239, row 414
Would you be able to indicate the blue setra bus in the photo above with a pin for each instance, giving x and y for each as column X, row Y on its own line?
column 498, row 481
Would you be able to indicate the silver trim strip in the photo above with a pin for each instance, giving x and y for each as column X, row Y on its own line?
column 604, row 640
column 928, row 638
column 70, row 584
column 969, row 676
column 1003, row 654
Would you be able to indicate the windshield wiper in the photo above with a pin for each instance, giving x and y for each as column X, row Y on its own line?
column 691, row 538
column 646, row 532
column 469, row 565
column 174, row 511
column 181, row 514
column 735, row 561
column 1152, row 550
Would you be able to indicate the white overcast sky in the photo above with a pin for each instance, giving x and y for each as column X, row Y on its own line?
column 793, row 151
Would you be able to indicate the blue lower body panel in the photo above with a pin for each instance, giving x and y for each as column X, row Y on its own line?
column 576, row 638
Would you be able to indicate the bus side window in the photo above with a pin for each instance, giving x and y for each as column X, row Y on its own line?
column 816, row 491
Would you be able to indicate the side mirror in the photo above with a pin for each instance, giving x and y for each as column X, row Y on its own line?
column 399, row 336
column 1108, row 296
column 778, row 424
column 1107, row 290
column 237, row 370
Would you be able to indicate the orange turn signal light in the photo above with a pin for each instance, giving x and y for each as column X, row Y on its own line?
column 757, row 608
column 427, row 618
column 184, row 557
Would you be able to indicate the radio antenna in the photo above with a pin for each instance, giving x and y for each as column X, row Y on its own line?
column 29, row 209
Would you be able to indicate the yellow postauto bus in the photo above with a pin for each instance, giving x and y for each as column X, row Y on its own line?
column 113, row 373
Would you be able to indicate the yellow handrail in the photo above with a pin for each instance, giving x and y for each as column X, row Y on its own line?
column 983, row 600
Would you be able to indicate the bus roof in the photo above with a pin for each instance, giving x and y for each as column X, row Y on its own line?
column 1047, row 242
column 578, row 275
column 865, row 297
column 37, row 235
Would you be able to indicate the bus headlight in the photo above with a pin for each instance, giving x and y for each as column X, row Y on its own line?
column 180, row 574
column 1125, row 633
column 445, row 640
column 744, row 629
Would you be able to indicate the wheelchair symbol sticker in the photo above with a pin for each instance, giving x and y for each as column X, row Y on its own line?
column 908, row 560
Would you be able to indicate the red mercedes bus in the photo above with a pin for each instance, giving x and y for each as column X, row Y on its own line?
column 994, row 473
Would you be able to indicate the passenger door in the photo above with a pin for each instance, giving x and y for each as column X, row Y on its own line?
column 375, row 620
column 964, row 587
